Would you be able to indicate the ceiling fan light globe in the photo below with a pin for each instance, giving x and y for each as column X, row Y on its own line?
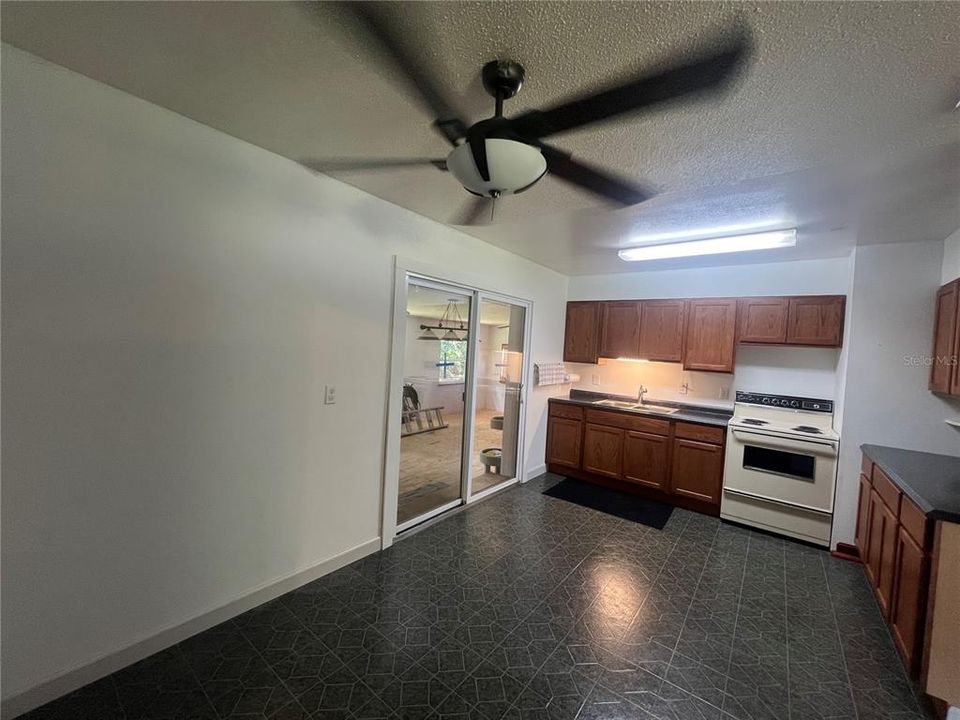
column 513, row 166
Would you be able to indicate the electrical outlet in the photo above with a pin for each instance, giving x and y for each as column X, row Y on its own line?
column 724, row 392
column 685, row 388
column 330, row 395
column 595, row 379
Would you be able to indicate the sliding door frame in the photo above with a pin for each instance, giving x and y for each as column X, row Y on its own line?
column 465, row 283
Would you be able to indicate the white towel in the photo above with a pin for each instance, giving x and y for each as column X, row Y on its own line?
column 550, row 374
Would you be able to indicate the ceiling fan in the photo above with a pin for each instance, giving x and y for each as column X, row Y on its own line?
column 501, row 156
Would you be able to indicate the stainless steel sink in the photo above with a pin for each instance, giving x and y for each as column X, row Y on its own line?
column 626, row 405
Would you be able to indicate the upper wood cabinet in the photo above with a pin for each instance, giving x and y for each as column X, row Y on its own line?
column 763, row 320
column 661, row 330
column 582, row 336
column 944, row 377
column 711, row 334
column 620, row 323
column 702, row 333
column 815, row 320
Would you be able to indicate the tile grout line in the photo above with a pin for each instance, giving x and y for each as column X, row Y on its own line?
column 193, row 674
column 843, row 651
column 686, row 615
column 736, row 621
column 786, row 629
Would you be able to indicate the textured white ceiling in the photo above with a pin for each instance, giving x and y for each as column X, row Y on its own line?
column 843, row 123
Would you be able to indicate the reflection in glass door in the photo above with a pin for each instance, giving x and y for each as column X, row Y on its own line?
column 435, row 371
column 497, row 402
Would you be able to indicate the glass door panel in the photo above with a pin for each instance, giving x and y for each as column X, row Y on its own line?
column 434, row 376
column 497, row 406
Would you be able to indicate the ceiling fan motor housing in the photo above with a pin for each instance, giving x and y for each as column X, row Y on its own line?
column 512, row 167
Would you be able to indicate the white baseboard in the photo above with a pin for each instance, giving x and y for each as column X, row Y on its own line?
column 71, row 680
column 536, row 471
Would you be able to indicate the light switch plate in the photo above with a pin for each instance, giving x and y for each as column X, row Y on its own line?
column 330, row 395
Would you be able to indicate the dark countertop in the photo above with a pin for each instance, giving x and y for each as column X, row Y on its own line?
column 687, row 413
column 931, row 481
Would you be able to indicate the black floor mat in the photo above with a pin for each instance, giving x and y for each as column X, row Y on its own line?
column 613, row 502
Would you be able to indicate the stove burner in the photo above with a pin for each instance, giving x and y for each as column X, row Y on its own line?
column 754, row 421
column 808, row 429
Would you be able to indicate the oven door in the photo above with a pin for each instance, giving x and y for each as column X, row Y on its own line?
column 788, row 471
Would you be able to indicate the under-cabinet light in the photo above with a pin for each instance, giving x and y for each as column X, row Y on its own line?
column 712, row 246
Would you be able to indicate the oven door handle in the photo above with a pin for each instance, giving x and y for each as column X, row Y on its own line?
column 779, row 442
column 765, row 498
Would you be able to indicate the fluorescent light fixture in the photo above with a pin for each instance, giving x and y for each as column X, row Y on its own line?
column 712, row 246
column 709, row 232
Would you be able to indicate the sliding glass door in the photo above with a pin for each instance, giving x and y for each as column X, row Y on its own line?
column 495, row 450
column 434, row 378
column 461, row 425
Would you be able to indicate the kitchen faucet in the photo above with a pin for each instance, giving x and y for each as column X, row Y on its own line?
column 640, row 394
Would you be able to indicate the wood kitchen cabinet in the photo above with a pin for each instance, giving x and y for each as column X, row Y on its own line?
column 711, row 334
column 581, row 340
column 881, row 551
column 815, row 320
column 697, row 470
column 670, row 461
column 763, row 320
column 661, row 330
column 907, row 614
column 563, row 442
column 944, row 372
column 603, row 450
column 645, row 459
column 620, row 323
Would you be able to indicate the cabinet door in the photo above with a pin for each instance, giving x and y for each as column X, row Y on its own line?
column 661, row 330
column 563, row 442
column 620, row 329
column 881, row 551
column 907, row 615
column 645, row 459
column 815, row 320
column 942, row 370
column 581, row 339
column 603, row 450
column 697, row 470
column 862, row 537
column 763, row 320
column 711, row 334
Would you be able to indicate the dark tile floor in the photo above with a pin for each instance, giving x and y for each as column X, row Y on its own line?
column 524, row 607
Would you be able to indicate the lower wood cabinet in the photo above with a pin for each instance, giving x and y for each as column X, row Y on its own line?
column 676, row 461
column 697, row 470
column 603, row 450
column 563, row 442
column 881, row 551
column 907, row 613
column 895, row 542
column 645, row 459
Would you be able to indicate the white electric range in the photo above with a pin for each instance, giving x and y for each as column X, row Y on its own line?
column 780, row 470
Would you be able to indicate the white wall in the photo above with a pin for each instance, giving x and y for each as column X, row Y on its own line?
column 950, row 269
column 812, row 372
column 886, row 400
column 174, row 301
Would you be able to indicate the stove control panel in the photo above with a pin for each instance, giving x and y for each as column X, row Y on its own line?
column 788, row 402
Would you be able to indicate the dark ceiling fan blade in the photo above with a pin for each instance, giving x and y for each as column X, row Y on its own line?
column 600, row 182
column 348, row 164
column 686, row 79
column 448, row 121
column 472, row 211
